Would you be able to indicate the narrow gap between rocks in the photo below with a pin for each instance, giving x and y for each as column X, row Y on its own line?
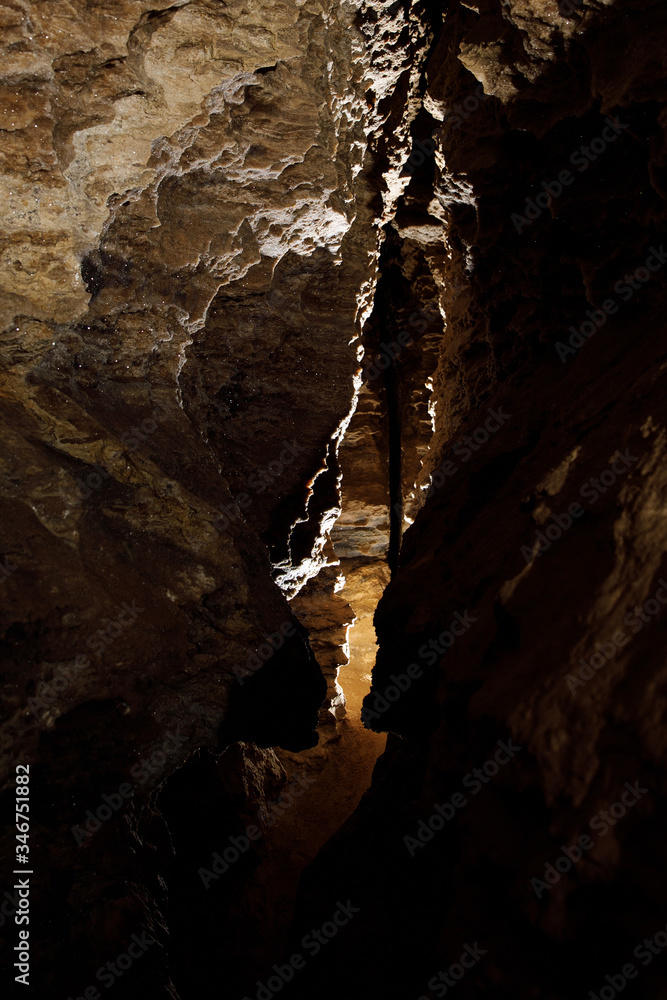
column 325, row 783
column 243, row 903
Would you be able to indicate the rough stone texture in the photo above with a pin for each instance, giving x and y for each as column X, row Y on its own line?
column 195, row 197
column 328, row 617
column 192, row 196
column 509, row 297
column 362, row 530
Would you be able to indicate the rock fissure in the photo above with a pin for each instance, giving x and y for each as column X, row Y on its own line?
column 323, row 331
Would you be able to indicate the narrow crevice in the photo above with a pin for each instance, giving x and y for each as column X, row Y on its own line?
column 395, row 469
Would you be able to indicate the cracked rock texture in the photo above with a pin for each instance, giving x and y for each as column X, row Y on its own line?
column 210, row 211
column 192, row 199
column 543, row 611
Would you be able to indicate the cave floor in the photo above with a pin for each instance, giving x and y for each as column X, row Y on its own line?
column 335, row 774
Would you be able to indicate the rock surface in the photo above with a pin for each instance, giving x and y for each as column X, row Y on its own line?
column 211, row 211
column 192, row 195
column 552, row 657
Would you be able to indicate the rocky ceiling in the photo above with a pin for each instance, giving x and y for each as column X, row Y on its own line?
column 297, row 296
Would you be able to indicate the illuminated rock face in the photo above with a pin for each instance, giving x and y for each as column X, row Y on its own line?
column 192, row 195
column 195, row 196
column 529, row 588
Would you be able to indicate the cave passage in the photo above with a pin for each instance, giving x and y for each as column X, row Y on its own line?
column 333, row 495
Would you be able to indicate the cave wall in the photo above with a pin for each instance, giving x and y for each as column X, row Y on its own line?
column 193, row 193
column 202, row 201
column 554, row 320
